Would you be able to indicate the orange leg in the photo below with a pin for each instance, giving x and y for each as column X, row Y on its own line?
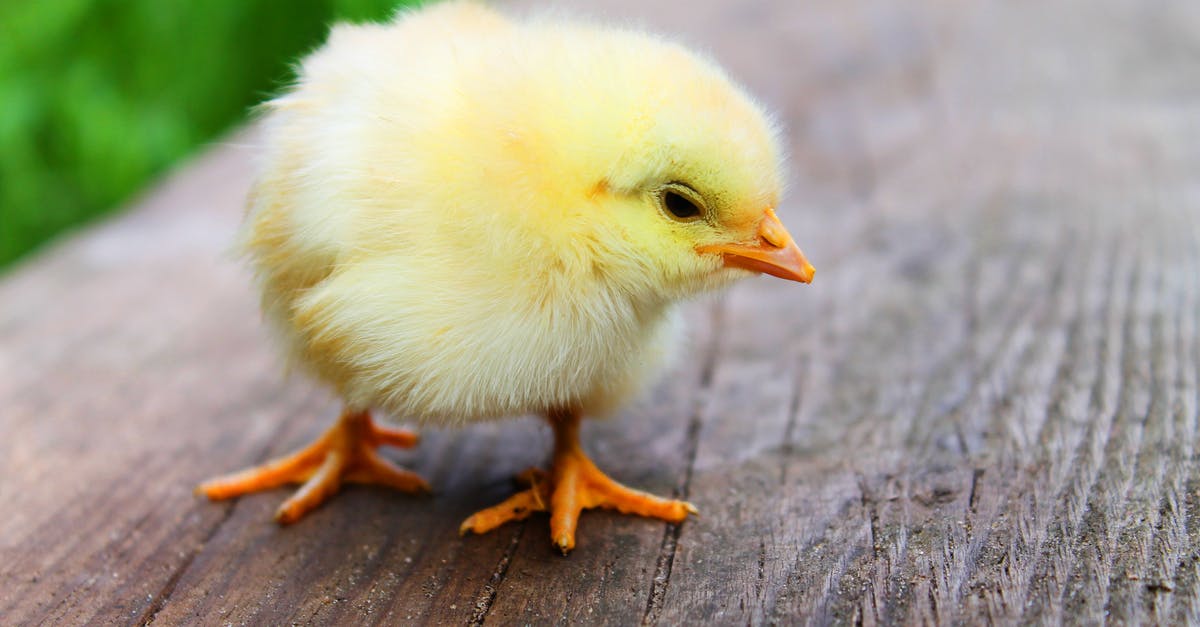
column 572, row 485
column 346, row 452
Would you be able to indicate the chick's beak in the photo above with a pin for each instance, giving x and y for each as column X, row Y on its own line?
column 774, row 253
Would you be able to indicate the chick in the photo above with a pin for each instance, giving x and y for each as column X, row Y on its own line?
column 462, row 216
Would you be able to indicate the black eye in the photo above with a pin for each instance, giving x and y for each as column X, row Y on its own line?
column 679, row 205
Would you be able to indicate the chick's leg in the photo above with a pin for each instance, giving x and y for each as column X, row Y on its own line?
column 346, row 452
column 572, row 485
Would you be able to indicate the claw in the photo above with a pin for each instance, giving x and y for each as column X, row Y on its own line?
column 346, row 452
column 572, row 485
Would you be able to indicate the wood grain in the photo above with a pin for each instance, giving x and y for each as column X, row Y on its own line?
column 983, row 410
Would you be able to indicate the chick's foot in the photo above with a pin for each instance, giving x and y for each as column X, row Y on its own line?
column 346, row 452
column 572, row 485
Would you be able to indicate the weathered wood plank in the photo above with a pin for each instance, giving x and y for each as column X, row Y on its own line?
column 925, row 537
column 103, row 388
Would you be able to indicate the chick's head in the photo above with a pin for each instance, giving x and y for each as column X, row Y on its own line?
column 674, row 171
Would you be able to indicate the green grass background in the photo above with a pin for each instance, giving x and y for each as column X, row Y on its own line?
column 97, row 97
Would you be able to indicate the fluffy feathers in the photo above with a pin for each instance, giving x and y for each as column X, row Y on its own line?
column 460, row 216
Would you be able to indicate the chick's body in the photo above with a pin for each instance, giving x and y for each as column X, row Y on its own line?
column 461, row 216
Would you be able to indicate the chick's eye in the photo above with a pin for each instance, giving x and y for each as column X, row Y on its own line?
column 679, row 205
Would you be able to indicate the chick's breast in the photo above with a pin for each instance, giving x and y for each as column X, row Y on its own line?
column 407, row 246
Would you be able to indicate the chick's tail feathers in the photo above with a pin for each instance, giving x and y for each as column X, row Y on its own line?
column 346, row 452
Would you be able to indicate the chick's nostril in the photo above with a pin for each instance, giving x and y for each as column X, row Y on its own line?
column 771, row 231
column 773, row 236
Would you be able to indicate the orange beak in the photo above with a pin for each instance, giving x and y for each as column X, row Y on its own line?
column 774, row 253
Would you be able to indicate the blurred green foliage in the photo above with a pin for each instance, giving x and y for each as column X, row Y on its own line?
column 99, row 96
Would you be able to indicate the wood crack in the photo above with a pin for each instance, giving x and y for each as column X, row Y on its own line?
column 1075, row 597
column 789, row 446
column 670, row 542
column 487, row 596
column 168, row 588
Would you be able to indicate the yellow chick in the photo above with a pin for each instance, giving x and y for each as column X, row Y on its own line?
column 462, row 216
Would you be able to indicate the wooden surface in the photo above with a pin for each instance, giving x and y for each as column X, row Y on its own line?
column 985, row 407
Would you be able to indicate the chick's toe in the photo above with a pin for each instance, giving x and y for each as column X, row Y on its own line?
column 573, row 484
column 346, row 452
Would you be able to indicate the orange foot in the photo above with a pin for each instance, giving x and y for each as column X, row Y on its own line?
column 346, row 452
column 573, row 485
